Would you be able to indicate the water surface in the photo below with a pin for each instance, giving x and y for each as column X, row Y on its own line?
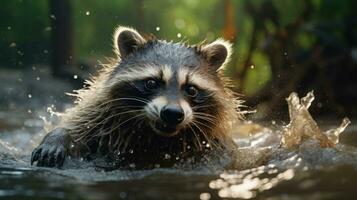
column 262, row 169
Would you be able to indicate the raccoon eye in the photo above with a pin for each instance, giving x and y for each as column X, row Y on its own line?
column 151, row 84
column 191, row 91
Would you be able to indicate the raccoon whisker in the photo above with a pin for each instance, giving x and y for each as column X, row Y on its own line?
column 118, row 99
column 123, row 106
column 203, row 132
column 205, row 114
column 123, row 139
column 124, row 112
column 203, row 106
column 211, row 121
column 127, row 140
column 118, row 107
column 89, row 116
column 116, row 144
column 106, row 119
column 132, row 99
column 196, row 137
column 103, row 132
column 203, row 124
column 87, row 122
column 111, row 116
column 123, row 98
column 100, row 143
column 136, row 116
column 206, row 119
column 210, row 141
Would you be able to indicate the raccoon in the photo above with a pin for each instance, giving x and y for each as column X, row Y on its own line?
column 157, row 103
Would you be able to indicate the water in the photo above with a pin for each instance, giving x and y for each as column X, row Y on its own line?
column 299, row 160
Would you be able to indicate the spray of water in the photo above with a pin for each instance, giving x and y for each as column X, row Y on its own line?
column 302, row 126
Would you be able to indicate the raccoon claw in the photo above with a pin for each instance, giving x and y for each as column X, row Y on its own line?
column 48, row 156
column 53, row 150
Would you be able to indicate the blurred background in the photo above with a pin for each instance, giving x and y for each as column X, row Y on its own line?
column 48, row 47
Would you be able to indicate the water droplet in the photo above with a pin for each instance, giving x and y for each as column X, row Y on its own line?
column 188, row 147
column 9, row 28
column 123, row 195
column 48, row 28
column 179, row 35
column 180, row 23
column 53, row 17
column 157, row 28
column 167, row 156
column 87, row 13
column 131, row 151
column 29, row 111
column 203, row 142
column 132, row 165
column 252, row 66
column 38, row 78
column 207, row 145
column 13, row 44
column 273, row 122
column 205, row 196
column 75, row 76
column 45, row 51
column 29, row 95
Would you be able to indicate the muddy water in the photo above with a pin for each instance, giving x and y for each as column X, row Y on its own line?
column 299, row 160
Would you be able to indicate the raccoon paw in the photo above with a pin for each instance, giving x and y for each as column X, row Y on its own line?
column 53, row 150
column 49, row 156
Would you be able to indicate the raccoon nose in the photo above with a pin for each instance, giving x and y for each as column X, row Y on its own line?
column 172, row 114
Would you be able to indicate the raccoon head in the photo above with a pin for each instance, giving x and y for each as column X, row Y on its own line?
column 168, row 86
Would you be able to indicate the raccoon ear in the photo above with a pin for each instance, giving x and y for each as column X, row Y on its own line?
column 217, row 53
column 126, row 41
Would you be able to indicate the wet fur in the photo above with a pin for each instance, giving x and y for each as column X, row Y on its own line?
column 103, row 119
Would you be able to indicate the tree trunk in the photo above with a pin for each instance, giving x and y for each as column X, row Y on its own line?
column 62, row 36
column 229, row 32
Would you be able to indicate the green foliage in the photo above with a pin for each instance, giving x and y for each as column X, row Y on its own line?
column 259, row 73
column 24, row 32
column 25, row 28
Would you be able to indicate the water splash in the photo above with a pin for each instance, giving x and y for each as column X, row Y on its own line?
column 297, row 144
column 302, row 126
column 272, row 158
